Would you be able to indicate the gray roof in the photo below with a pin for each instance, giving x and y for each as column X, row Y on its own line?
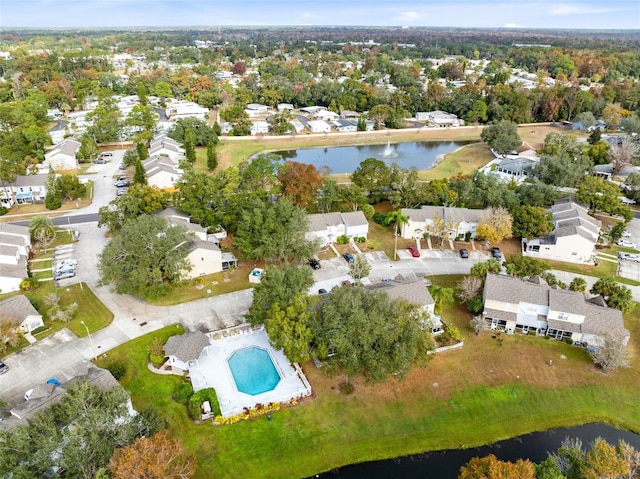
column 512, row 290
column 413, row 290
column 446, row 213
column 517, row 164
column 26, row 181
column 196, row 243
column 12, row 229
column 564, row 325
column 354, row 218
column 68, row 147
column 156, row 165
column 18, row 307
column 14, row 270
column 173, row 217
column 186, row 347
column 497, row 314
column 321, row 221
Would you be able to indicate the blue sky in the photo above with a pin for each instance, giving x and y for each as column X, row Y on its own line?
column 600, row 14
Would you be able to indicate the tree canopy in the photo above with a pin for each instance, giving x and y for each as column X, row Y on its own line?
column 145, row 256
column 531, row 221
column 502, row 136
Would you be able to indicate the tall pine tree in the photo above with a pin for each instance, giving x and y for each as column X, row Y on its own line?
column 212, row 156
column 139, row 176
column 190, row 146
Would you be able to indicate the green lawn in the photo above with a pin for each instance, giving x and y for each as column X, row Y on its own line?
column 482, row 393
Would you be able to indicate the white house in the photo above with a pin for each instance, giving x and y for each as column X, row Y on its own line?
column 312, row 110
column 428, row 219
column 24, row 189
column 256, row 109
column 511, row 168
column 15, row 244
column 259, row 128
column 327, row 227
column 205, row 258
column 161, row 172
column 63, row 155
column 186, row 109
column 439, row 118
column 162, row 145
column 511, row 304
column 327, row 115
column 183, row 351
column 318, row 126
column 573, row 238
column 344, row 126
column 19, row 309
column 285, row 106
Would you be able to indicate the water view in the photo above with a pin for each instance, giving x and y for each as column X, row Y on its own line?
column 446, row 464
column 421, row 155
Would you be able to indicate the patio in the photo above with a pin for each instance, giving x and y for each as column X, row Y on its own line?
column 212, row 371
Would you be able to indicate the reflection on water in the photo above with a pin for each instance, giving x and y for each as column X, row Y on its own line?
column 345, row 159
column 446, row 464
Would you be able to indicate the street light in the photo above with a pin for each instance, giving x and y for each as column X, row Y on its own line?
column 90, row 339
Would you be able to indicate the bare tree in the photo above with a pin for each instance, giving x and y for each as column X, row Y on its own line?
column 9, row 335
column 360, row 268
column 469, row 288
column 478, row 323
column 623, row 154
column 612, row 354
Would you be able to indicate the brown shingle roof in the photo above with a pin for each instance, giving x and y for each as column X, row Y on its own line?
column 414, row 291
column 18, row 307
column 186, row 347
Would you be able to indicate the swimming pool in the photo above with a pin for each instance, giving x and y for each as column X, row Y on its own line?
column 253, row 370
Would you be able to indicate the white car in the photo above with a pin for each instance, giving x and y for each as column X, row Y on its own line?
column 626, row 244
column 629, row 257
column 626, row 234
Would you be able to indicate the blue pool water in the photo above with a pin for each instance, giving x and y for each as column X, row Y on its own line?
column 253, row 370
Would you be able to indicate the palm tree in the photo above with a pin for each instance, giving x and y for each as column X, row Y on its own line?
column 397, row 218
column 42, row 230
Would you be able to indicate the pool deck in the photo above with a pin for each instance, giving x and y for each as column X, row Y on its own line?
column 212, row 371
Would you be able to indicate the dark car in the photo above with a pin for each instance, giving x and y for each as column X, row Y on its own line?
column 415, row 252
column 314, row 263
column 3, row 368
column 496, row 253
column 464, row 253
column 322, row 291
column 348, row 257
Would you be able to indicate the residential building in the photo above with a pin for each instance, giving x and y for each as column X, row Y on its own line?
column 183, row 351
column 511, row 168
column 460, row 222
column 63, row 155
column 344, row 126
column 318, row 126
column 514, row 305
column 161, row 172
column 439, row 118
column 186, row 109
column 285, row 106
column 15, row 244
column 259, row 128
column 162, row 145
column 255, row 110
column 205, row 258
column 19, row 309
column 24, row 189
column 328, row 227
column 573, row 238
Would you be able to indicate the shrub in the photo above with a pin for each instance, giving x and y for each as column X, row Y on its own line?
column 29, row 284
column 39, row 330
column 3, row 210
column 52, row 201
column 569, row 341
column 118, row 369
column 475, row 305
column 182, row 393
column 347, row 388
column 361, row 239
column 195, row 402
column 467, row 236
column 343, row 239
column 380, row 218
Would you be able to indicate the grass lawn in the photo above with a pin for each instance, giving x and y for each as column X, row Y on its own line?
column 465, row 160
column 486, row 391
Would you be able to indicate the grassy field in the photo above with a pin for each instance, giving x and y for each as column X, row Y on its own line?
column 487, row 391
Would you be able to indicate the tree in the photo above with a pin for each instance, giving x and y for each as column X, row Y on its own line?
column 288, row 328
column 105, row 122
column 273, row 231
column 616, row 295
column 469, row 288
column 212, row 156
column 42, row 230
column 599, row 153
column 374, row 176
column 595, row 136
column 204, row 134
column 145, row 257
column 78, row 434
column 480, row 270
column 612, row 114
column 142, row 151
column 139, row 200
column 88, row 149
column 189, row 146
column 602, row 195
column 369, row 334
column 502, row 136
column 531, row 221
column 396, row 218
column 279, row 285
column 359, row 268
column 603, row 460
column 70, row 187
column 578, row 284
column 490, row 467
column 443, row 297
column 525, row 267
column 155, row 457
column 281, row 123
column 495, row 225
column 9, row 332
column 299, row 182
column 623, row 154
column 139, row 175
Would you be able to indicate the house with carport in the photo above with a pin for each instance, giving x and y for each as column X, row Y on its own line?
column 427, row 219
column 515, row 305
column 328, row 227
column 183, row 351
column 573, row 239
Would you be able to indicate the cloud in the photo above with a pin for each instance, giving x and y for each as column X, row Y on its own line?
column 581, row 10
column 409, row 16
column 512, row 25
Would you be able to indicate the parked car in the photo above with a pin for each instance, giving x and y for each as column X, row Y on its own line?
column 322, row 291
column 121, row 166
column 629, row 257
column 415, row 252
column 464, row 253
column 3, row 368
column 106, row 154
column 626, row 234
column 314, row 263
column 626, row 244
column 100, row 161
column 121, row 191
column 348, row 257
column 346, row 282
column 122, row 183
column 66, row 265
column 67, row 273
column 496, row 253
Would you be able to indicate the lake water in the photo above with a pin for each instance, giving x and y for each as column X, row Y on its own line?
column 446, row 464
column 345, row 159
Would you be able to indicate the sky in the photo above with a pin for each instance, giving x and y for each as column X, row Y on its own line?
column 591, row 14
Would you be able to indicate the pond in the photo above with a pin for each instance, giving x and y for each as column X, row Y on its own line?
column 446, row 464
column 421, row 155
